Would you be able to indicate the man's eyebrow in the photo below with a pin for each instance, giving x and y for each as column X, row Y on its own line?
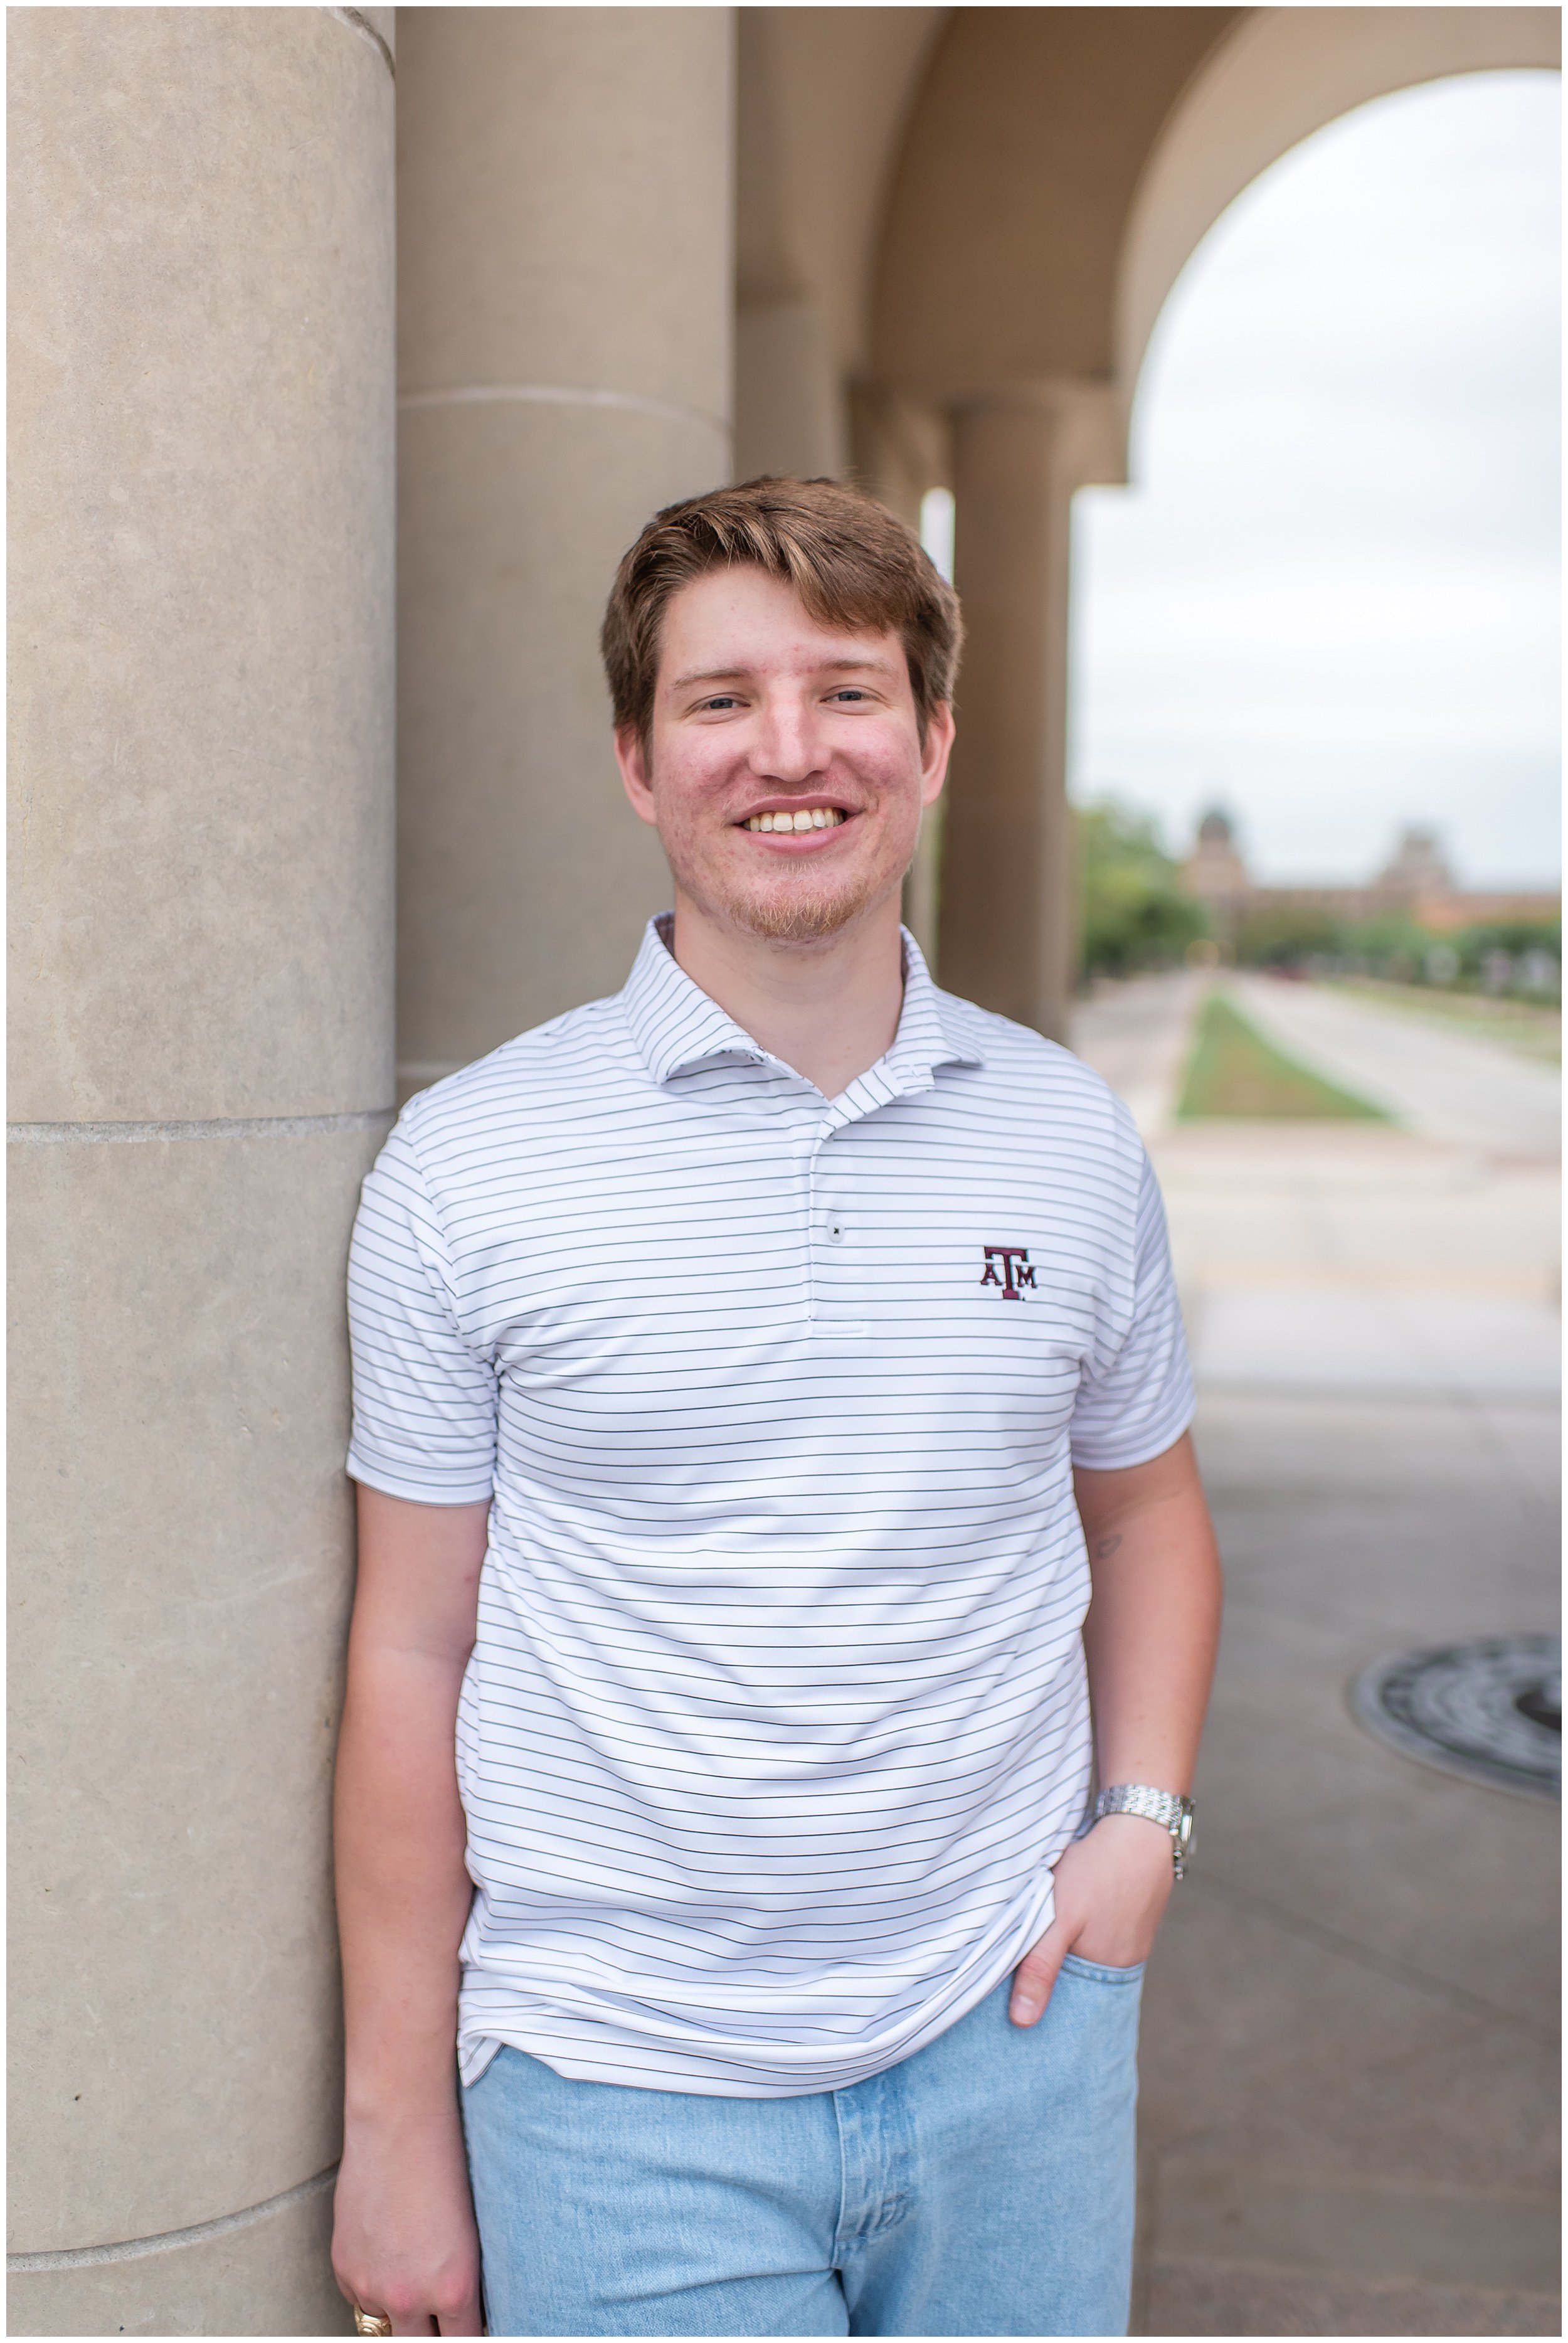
column 736, row 673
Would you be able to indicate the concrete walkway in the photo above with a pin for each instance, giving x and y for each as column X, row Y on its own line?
column 1136, row 1036
column 1446, row 1086
column 1349, row 2122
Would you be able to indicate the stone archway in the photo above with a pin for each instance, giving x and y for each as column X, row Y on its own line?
column 1277, row 76
column 1059, row 169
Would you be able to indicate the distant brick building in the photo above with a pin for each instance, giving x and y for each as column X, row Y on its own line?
column 1417, row 882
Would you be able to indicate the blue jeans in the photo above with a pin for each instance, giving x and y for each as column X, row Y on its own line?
column 983, row 2186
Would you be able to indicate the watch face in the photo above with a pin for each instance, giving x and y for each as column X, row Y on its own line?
column 1184, row 1835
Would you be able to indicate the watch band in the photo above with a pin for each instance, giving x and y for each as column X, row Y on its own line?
column 1166, row 1807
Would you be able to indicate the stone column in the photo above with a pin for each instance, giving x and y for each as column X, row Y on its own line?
column 791, row 410
column 1007, row 917
column 565, row 296
column 201, row 867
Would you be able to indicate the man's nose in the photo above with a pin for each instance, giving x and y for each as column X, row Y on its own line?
column 789, row 745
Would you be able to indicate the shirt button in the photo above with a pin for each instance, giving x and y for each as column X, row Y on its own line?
column 835, row 1232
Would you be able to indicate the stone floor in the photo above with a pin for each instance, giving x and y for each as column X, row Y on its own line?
column 1349, row 2118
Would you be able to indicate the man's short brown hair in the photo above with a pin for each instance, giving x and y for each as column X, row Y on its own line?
column 850, row 560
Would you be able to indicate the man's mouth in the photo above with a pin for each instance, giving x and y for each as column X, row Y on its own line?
column 805, row 817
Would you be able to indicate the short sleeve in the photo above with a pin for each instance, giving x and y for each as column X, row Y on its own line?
column 424, row 1400
column 1138, row 1405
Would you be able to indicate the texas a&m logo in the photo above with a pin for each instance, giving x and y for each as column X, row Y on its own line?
column 1007, row 1267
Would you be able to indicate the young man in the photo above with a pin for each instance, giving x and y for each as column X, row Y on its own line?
column 755, row 1374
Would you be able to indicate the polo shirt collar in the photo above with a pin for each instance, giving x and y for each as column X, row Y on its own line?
column 676, row 1027
column 935, row 1027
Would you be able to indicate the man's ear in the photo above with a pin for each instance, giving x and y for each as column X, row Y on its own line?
column 937, row 747
column 636, row 779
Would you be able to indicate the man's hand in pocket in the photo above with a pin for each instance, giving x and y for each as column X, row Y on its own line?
column 1111, row 1890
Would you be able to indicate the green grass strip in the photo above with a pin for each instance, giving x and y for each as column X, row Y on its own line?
column 1233, row 1072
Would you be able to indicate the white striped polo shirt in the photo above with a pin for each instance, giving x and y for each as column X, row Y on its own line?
column 776, row 1719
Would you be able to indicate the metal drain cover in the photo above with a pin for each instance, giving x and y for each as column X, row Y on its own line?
column 1492, row 1711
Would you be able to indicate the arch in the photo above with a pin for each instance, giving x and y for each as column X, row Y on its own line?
column 1060, row 166
column 1058, row 169
column 1009, row 198
column 1276, row 76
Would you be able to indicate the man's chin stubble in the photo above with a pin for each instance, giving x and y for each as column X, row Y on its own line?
column 797, row 914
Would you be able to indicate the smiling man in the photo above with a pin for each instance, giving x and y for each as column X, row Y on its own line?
column 756, row 1373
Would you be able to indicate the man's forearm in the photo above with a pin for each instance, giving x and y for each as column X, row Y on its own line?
column 1150, row 1640
column 1153, row 1623
column 404, row 2241
column 403, row 1888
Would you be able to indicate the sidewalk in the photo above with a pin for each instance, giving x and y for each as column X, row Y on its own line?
column 1348, row 2124
column 1451, row 1087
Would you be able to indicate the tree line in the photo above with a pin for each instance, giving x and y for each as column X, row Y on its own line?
column 1134, row 915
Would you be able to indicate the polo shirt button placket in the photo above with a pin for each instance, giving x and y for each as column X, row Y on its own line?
column 836, row 1305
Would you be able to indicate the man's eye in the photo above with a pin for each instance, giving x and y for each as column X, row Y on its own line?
column 725, row 699
column 850, row 691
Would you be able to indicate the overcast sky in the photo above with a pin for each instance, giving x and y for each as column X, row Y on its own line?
column 1329, row 601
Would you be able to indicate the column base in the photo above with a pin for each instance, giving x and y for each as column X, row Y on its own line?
column 264, row 2271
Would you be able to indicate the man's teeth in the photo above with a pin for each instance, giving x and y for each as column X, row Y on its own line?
column 817, row 817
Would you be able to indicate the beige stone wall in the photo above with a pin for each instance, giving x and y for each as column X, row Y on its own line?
column 823, row 97
column 217, row 2281
column 201, row 869
column 1013, row 188
column 565, row 358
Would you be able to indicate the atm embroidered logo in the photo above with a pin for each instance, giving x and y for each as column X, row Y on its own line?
column 1007, row 1267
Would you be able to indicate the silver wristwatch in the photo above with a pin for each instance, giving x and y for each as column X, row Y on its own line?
column 1172, row 1813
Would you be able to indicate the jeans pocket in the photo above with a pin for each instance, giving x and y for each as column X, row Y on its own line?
column 1098, row 1973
